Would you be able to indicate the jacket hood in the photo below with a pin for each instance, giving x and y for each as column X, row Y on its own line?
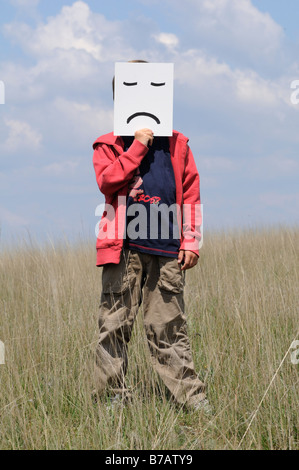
column 108, row 139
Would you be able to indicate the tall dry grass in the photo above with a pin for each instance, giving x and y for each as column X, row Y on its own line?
column 242, row 306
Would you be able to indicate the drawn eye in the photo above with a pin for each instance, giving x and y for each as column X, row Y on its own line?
column 130, row 83
column 158, row 84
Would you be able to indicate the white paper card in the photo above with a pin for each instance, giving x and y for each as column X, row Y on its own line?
column 143, row 98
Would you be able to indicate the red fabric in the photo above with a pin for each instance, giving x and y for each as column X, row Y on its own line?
column 114, row 170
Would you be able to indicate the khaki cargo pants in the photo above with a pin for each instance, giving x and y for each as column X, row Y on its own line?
column 159, row 281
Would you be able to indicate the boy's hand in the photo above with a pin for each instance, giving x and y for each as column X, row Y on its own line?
column 145, row 136
column 188, row 258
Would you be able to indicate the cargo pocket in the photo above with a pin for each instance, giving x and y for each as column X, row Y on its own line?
column 171, row 278
column 117, row 278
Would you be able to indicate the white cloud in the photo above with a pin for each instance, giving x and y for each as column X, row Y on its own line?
column 23, row 83
column 70, row 46
column 234, row 30
column 83, row 119
column 253, row 89
column 21, row 135
column 217, row 82
column 76, row 28
column 167, row 39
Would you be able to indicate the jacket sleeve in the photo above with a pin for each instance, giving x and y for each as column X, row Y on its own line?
column 112, row 173
column 192, row 216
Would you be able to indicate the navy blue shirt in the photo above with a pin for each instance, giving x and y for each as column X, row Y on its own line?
column 151, row 207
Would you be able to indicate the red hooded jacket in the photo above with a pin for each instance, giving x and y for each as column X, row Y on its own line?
column 115, row 169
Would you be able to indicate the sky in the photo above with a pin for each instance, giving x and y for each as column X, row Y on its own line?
column 234, row 62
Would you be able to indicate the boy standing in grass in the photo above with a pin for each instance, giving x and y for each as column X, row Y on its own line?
column 148, row 174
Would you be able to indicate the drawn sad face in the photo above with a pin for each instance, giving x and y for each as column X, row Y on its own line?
column 143, row 98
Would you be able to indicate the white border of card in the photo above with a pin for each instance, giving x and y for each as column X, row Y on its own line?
column 143, row 98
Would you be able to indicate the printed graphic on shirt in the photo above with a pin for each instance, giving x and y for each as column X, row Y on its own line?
column 151, row 221
column 136, row 191
column 135, row 186
column 147, row 198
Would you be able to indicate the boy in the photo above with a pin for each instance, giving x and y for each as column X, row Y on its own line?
column 154, row 173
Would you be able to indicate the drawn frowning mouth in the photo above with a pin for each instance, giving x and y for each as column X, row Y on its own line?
column 143, row 114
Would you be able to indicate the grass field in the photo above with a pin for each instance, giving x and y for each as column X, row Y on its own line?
column 242, row 306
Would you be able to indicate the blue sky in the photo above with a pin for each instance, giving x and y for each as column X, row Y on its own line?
column 234, row 63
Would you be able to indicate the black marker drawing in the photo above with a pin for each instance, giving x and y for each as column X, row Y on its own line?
column 143, row 114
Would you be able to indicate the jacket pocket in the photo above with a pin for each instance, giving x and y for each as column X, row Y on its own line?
column 171, row 277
